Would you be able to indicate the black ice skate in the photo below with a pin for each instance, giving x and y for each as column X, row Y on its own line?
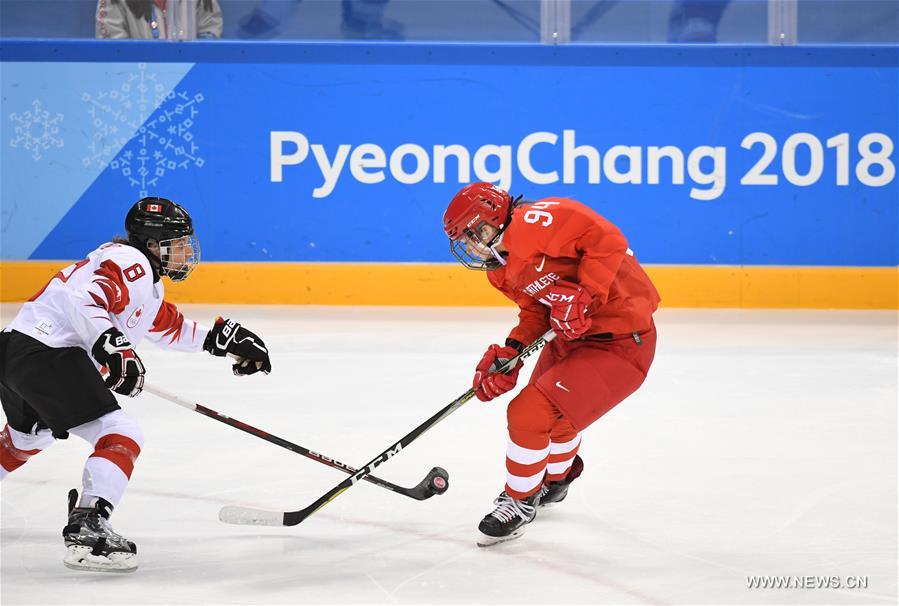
column 507, row 520
column 92, row 544
column 555, row 492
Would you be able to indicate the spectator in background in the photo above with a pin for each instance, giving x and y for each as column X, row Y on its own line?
column 364, row 19
column 695, row 20
column 159, row 19
column 359, row 20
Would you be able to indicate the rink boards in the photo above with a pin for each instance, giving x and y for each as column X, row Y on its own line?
column 318, row 173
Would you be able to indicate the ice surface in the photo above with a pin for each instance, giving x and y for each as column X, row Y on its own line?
column 763, row 443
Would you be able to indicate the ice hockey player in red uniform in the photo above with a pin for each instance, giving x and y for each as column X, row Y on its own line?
column 569, row 269
column 89, row 319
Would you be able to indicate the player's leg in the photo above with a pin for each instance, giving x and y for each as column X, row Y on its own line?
column 24, row 435
column 530, row 421
column 117, row 440
column 564, row 438
column 63, row 387
column 91, row 542
column 16, row 446
column 564, row 465
column 591, row 378
column 587, row 381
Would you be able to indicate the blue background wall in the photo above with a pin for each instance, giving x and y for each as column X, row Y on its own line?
column 81, row 119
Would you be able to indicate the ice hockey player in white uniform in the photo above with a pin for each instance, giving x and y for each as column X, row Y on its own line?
column 86, row 321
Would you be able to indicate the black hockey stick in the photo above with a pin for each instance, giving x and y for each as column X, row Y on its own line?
column 233, row 514
column 436, row 482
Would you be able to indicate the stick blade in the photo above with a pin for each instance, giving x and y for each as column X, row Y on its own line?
column 248, row 516
column 435, row 483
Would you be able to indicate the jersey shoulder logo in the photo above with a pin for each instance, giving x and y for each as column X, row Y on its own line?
column 542, row 263
column 135, row 317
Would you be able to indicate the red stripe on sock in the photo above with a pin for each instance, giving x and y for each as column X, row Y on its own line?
column 11, row 458
column 524, row 471
column 120, row 450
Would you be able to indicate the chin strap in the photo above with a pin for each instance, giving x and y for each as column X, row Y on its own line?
column 498, row 256
column 496, row 242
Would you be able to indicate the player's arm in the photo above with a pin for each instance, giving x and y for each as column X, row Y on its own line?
column 581, row 234
column 533, row 321
column 533, row 317
column 171, row 330
column 119, row 284
column 602, row 248
column 599, row 248
column 111, row 292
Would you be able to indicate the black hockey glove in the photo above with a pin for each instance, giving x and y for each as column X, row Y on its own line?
column 126, row 372
column 228, row 337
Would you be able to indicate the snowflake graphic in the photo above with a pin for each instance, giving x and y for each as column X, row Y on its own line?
column 36, row 130
column 158, row 146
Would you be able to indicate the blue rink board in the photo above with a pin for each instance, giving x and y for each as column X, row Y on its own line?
column 88, row 127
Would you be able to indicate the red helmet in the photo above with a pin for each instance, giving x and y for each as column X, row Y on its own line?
column 475, row 206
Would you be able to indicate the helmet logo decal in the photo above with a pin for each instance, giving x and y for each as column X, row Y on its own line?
column 473, row 221
column 154, row 208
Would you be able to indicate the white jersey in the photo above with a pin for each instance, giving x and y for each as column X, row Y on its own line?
column 112, row 287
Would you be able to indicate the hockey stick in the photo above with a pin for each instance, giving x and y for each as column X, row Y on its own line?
column 436, row 482
column 233, row 514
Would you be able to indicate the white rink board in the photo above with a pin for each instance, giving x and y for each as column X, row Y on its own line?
column 763, row 443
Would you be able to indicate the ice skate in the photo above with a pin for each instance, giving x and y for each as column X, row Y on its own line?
column 555, row 492
column 508, row 519
column 92, row 544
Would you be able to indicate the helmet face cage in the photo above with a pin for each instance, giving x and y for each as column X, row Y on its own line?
column 473, row 252
column 179, row 256
column 164, row 230
column 473, row 208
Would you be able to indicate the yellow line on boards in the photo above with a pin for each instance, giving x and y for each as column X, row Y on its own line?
column 448, row 284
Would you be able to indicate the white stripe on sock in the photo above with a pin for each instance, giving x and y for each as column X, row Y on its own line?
column 525, row 456
column 521, row 484
column 563, row 447
column 559, row 468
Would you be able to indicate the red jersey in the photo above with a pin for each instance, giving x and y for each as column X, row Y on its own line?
column 562, row 239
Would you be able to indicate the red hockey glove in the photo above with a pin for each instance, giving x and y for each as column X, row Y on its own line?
column 568, row 311
column 126, row 372
column 488, row 382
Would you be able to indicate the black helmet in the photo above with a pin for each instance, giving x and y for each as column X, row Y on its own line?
column 166, row 226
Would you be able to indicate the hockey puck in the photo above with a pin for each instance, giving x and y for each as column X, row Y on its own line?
column 439, row 482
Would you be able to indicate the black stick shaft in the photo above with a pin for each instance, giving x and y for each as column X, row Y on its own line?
column 292, row 518
column 212, row 414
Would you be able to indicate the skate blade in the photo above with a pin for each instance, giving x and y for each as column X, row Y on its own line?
column 485, row 540
column 79, row 557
